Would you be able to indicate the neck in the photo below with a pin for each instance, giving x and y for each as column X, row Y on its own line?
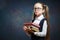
column 38, row 15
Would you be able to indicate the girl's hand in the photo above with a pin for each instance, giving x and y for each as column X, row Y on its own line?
column 25, row 28
column 29, row 31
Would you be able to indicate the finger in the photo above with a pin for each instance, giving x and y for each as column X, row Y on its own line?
column 24, row 27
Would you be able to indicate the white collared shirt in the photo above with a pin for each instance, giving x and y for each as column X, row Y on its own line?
column 44, row 29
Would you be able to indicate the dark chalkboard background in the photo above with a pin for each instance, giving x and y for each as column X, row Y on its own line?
column 13, row 13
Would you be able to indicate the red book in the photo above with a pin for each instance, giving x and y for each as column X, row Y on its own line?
column 31, row 26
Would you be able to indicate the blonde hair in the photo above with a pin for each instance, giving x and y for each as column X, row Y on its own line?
column 45, row 7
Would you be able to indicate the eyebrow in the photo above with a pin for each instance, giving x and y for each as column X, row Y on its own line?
column 37, row 7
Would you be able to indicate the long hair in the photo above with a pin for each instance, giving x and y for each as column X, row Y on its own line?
column 45, row 7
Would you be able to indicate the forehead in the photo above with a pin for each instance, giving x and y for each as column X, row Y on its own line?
column 38, row 5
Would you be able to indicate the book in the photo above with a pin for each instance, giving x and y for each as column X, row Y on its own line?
column 32, row 27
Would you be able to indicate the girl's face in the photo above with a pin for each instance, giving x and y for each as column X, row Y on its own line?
column 38, row 9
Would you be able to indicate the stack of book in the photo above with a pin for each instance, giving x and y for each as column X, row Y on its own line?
column 32, row 27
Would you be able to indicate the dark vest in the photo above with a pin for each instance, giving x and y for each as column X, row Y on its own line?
column 34, row 37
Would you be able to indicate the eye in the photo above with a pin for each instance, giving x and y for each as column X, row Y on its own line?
column 37, row 8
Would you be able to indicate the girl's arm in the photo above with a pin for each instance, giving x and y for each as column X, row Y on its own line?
column 44, row 30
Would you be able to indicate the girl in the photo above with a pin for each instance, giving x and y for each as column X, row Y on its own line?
column 40, row 19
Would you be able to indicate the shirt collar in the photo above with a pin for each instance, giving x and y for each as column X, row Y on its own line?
column 40, row 17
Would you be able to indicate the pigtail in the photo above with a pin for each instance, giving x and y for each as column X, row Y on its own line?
column 47, row 17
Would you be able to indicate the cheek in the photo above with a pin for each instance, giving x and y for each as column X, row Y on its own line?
column 40, row 11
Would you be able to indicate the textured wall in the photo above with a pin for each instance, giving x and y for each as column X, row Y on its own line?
column 13, row 13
